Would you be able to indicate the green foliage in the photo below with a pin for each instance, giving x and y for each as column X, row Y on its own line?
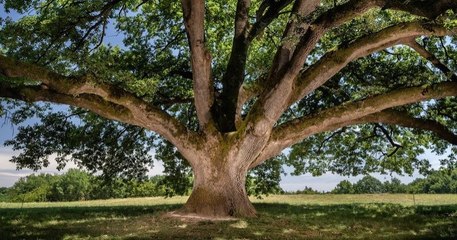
column 33, row 188
column 395, row 186
column 368, row 184
column 442, row 181
column 78, row 185
column 178, row 174
column 344, row 187
column 4, row 194
column 264, row 179
column 72, row 186
column 306, row 190
column 437, row 182
column 94, row 143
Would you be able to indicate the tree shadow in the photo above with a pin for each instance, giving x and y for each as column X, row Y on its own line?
column 275, row 221
column 61, row 222
column 372, row 221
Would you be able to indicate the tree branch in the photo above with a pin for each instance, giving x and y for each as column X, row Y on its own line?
column 225, row 112
column 393, row 117
column 296, row 130
column 341, row 14
column 279, row 87
column 332, row 62
column 279, row 90
column 247, row 92
column 432, row 58
column 430, row 9
column 355, row 110
column 389, row 138
column 296, row 24
column 194, row 17
column 268, row 11
column 80, row 91
column 228, row 106
column 93, row 103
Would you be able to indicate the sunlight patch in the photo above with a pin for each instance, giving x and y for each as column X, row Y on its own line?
column 320, row 214
column 16, row 221
column 257, row 233
column 239, row 224
column 288, row 231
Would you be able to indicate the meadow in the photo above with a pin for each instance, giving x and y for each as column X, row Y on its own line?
column 368, row 216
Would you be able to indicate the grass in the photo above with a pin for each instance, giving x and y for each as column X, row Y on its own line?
column 382, row 216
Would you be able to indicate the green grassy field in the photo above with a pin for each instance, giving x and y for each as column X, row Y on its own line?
column 378, row 216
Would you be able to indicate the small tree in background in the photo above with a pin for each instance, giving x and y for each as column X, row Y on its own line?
column 344, row 187
column 74, row 185
column 4, row 194
column 33, row 188
column 395, row 186
column 369, row 184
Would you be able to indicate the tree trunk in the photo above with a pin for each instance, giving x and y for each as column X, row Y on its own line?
column 219, row 191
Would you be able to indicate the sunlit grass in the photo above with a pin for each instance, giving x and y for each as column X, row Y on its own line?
column 383, row 216
column 151, row 201
column 331, row 199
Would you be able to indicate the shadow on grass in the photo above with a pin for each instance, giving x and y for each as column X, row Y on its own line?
column 61, row 222
column 275, row 221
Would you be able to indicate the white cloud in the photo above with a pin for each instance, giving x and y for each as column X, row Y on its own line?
column 15, row 175
column 157, row 169
column 9, row 174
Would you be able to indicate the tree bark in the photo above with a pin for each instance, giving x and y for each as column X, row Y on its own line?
column 219, row 191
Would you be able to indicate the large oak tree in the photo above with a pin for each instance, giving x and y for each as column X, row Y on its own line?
column 349, row 86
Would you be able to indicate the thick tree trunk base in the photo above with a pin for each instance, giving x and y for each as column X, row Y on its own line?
column 219, row 205
column 219, row 195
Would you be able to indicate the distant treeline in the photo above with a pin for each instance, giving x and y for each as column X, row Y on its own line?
column 77, row 185
column 443, row 181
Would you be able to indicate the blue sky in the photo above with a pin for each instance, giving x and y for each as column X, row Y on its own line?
column 9, row 174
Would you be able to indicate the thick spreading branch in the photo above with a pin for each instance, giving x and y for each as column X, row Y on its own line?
column 345, row 12
column 194, row 17
column 225, row 112
column 61, row 89
column 330, row 119
column 228, row 104
column 300, row 10
column 331, row 63
column 281, row 88
column 300, row 128
column 93, row 103
column 296, row 24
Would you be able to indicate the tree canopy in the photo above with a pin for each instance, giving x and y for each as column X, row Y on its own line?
column 350, row 87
